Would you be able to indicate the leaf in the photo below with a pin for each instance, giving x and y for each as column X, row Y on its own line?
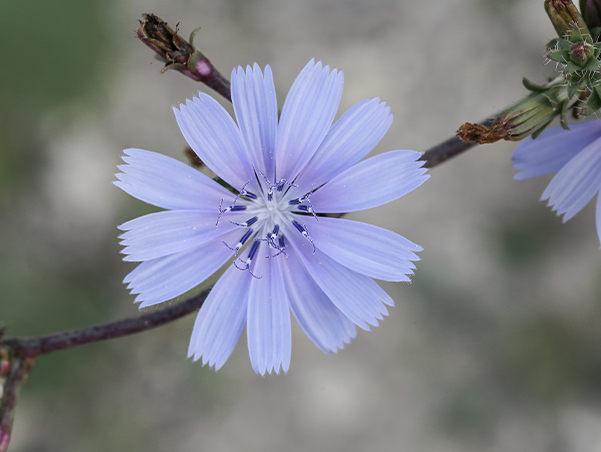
column 531, row 86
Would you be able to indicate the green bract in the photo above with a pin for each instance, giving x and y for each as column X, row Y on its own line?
column 580, row 69
column 533, row 113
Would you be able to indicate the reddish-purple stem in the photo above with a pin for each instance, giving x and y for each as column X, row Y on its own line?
column 36, row 346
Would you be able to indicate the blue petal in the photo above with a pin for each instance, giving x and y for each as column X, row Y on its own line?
column 168, row 183
column 371, row 183
column 366, row 249
column 349, row 140
column 320, row 320
column 167, row 277
column 307, row 115
column 221, row 319
column 173, row 231
column 576, row 183
column 553, row 149
column 268, row 323
column 213, row 135
column 357, row 296
column 256, row 110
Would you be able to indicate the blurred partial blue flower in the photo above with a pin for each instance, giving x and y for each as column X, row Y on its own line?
column 287, row 257
column 575, row 155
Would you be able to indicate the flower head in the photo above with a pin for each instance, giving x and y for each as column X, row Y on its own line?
column 286, row 257
column 575, row 155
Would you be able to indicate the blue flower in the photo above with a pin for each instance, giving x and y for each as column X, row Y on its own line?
column 286, row 257
column 575, row 156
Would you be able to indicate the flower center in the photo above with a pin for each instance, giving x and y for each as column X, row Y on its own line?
column 270, row 210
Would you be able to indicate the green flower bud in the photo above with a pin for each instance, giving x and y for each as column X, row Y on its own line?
column 580, row 52
column 576, row 52
column 532, row 114
column 566, row 19
column 591, row 13
column 529, row 116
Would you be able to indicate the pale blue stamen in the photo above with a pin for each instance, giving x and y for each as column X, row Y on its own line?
column 247, row 223
column 244, row 192
column 280, row 247
column 251, row 254
column 233, row 207
column 303, row 230
column 308, row 208
column 279, row 186
column 230, row 208
column 271, row 240
column 241, row 243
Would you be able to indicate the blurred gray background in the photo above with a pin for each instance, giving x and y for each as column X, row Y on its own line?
column 496, row 344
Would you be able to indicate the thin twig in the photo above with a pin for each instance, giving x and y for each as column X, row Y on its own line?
column 19, row 368
column 36, row 346
column 450, row 148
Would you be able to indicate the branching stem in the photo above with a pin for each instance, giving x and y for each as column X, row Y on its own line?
column 450, row 148
column 36, row 346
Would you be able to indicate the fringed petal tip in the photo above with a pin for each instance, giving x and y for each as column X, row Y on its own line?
column 211, row 363
column 318, row 66
column 307, row 115
column 214, row 136
column 190, row 101
column 274, row 369
column 254, row 70
column 168, row 183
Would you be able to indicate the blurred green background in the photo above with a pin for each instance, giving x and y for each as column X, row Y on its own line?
column 496, row 344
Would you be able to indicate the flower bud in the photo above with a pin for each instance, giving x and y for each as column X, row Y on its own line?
column 179, row 54
column 565, row 18
column 591, row 13
column 168, row 45
column 589, row 102
column 576, row 53
column 580, row 52
column 529, row 116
